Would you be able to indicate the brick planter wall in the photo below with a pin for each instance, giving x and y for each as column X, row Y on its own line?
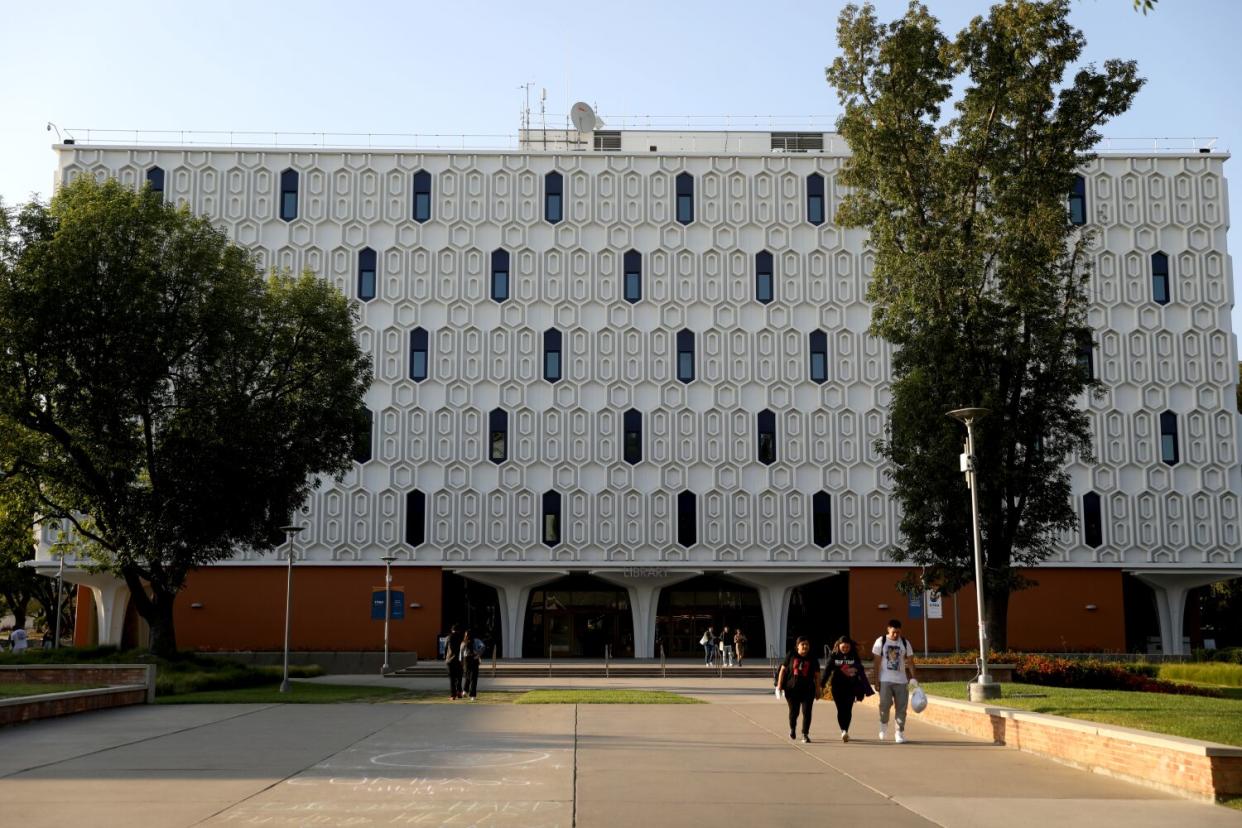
column 1186, row 767
column 125, row 684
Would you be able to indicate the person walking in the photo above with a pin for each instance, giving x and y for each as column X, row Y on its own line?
column 798, row 682
column 725, row 647
column 894, row 667
column 739, row 645
column 709, row 645
column 470, row 666
column 452, row 659
column 841, row 675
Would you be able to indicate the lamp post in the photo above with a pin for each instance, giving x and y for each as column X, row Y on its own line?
column 387, row 559
column 983, row 687
column 291, row 532
column 60, row 580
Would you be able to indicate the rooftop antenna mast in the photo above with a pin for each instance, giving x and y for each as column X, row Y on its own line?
column 543, row 115
column 525, row 122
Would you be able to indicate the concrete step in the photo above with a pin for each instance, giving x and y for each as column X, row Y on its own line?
column 570, row 670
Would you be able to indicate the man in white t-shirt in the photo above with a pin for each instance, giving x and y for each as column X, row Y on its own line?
column 894, row 667
column 18, row 639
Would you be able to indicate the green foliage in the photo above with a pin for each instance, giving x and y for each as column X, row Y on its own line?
column 979, row 279
column 1100, row 675
column 1220, row 612
column 159, row 393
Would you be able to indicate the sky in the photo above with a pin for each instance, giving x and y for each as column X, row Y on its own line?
column 458, row 67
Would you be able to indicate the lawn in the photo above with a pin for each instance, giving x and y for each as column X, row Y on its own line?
column 9, row 691
column 1194, row 717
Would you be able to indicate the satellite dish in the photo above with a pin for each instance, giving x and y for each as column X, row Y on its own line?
column 584, row 118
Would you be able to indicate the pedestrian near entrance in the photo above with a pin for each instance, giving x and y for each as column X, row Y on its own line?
column 798, row 682
column 469, row 665
column 739, row 646
column 452, row 658
column 725, row 648
column 709, row 645
column 894, row 667
column 841, row 675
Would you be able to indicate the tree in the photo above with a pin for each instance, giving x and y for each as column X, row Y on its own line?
column 168, row 401
column 979, row 278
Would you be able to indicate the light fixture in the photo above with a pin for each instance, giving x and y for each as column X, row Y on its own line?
column 881, row 606
column 1092, row 608
column 196, row 605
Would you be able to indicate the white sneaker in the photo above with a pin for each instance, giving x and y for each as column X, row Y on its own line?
column 901, row 738
column 845, row 735
column 881, row 734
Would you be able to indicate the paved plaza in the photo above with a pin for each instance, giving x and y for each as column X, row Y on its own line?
column 726, row 763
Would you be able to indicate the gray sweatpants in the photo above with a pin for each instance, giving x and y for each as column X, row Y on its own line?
column 892, row 691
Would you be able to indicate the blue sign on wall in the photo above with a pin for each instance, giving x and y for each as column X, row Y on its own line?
column 916, row 607
column 377, row 604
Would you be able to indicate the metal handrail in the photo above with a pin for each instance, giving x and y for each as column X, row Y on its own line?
column 663, row 663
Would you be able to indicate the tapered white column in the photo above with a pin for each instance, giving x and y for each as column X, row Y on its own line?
column 643, row 584
column 775, row 588
column 1171, row 587
column 513, row 588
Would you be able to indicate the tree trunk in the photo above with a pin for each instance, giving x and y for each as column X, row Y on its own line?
column 17, row 606
column 163, row 631
column 996, row 605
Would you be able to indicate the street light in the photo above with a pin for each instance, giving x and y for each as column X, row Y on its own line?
column 983, row 688
column 291, row 532
column 387, row 559
column 60, row 580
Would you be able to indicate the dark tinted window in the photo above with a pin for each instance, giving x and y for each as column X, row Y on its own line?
column 815, row 198
column 289, row 195
column 1092, row 529
column 366, row 274
column 155, row 180
column 552, row 355
column 362, row 436
column 687, row 519
column 1168, row 439
column 764, row 289
column 767, row 437
column 422, row 196
column 415, row 518
column 418, row 354
column 633, row 426
column 552, row 198
column 1084, row 356
column 685, row 356
column 685, row 198
column 498, row 435
column 633, row 276
column 551, row 518
column 1160, row 287
column 1078, row 201
column 819, row 356
column 821, row 518
column 500, row 275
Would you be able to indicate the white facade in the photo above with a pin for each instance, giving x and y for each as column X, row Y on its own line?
column 1177, row 524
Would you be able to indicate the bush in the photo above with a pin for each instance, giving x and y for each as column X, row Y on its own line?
column 1228, row 655
column 1091, row 674
column 1227, row 675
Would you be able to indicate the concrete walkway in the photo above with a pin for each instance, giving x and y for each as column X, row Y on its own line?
column 727, row 763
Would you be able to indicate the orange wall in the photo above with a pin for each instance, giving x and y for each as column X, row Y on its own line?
column 243, row 608
column 1049, row 617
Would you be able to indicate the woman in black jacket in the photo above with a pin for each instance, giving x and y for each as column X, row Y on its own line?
column 798, row 682
column 842, row 675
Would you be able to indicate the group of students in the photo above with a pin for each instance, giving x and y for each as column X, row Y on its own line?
column 800, row 681
column 463, row 653
column 730, row 648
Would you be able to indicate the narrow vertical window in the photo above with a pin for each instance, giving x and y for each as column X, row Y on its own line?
column 687, row 519
column 1084, row 356
column 819, row 356
column 362, row 435
column 1092, row 529
column 633, row 275
column 422, row 196
column 500, row 275
column 366, row 274
column 815, row 198
column 415, row 518
column 1168, row 439
column 418, row 354
column 1078, row 201
column 685, row 356
column 552, row 200
column 552, row 355
column 551, row 518
column 685, row 198
column 289, row 195
column 633, row 427
column 1160, row 278
column 498, row 435
column 763, row 277
column 155, row 180
column 821, row 518
column 766, row 444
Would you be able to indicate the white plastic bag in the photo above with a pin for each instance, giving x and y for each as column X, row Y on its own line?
column 918, row 698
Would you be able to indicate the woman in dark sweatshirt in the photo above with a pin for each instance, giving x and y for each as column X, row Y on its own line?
column 842, row 675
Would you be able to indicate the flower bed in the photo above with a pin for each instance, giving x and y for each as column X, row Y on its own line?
column 1099, row 675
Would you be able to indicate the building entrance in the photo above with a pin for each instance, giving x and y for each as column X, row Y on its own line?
column 687, row 609
column 577, row 617
column 820, row 611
